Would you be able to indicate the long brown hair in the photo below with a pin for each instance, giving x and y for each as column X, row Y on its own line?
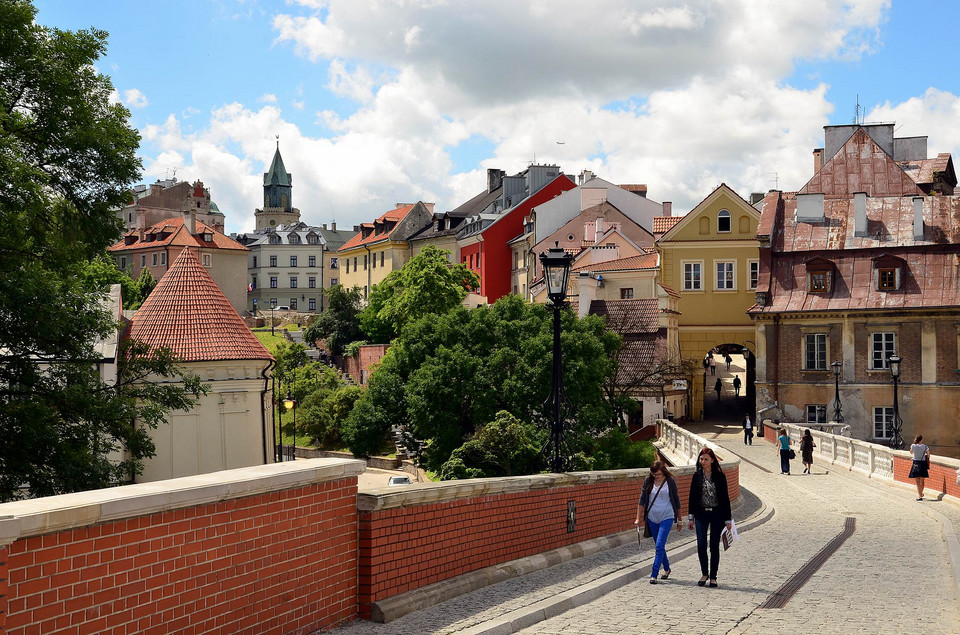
column 715, row 465
column 659, row 466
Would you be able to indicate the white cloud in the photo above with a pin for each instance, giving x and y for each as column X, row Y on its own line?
column 133, row 98
column 665, row 18
column 267, row 98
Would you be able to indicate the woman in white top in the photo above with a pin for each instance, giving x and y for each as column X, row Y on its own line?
column 921, row 453
column 659, row 508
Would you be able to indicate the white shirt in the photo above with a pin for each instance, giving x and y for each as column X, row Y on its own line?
column 919, row 451
column 662, row 508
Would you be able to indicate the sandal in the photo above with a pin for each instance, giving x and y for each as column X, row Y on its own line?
column 713, row 584
column 665, row 576
column 653, row 580
column 702, row 581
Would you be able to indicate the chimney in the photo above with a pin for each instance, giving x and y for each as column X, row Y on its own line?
column 588, row 293
column 356, row 228
column 494, row 179
column 817, row 160
column 667, row 208
column 810, row 208
column 156, row 188
column 190, row 220
column 324, row 226
column 918, row 218
column 333, row 226
column 859, row 213
column 585, row 176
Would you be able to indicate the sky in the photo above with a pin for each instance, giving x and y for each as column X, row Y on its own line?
column 377, row 102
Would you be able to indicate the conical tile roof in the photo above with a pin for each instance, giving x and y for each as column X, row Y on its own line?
column 277, row 175
column 188, row 313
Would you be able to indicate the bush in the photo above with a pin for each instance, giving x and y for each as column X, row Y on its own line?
column 615, row 451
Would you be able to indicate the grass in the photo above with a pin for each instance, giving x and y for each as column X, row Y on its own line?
column 269, row 341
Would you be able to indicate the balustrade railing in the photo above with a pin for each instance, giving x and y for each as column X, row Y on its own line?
column 872, row 459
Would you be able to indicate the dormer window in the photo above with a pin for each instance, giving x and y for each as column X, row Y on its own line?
column 312, row 239
column 723, row 222
column 293, row 239
column 274, row 239
column 207, row 237
column 887, row 272
column 819, row 275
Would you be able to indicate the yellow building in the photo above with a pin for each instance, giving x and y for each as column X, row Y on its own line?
column 381, row 246
column 711, row 258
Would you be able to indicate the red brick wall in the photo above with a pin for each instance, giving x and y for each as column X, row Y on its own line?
column 943, row 478
column 281, row 562
column 367, row 356
column 408, row 547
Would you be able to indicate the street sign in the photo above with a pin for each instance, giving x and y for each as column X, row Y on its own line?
column 679, row 384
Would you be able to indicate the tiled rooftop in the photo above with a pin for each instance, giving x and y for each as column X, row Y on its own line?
column 177, row 234
column 188, row 314
column 395, row 215
column 643, row 261
column 663, row 224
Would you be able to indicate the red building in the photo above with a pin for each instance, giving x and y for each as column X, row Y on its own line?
column 483, row 242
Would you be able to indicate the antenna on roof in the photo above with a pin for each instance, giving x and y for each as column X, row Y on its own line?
column 775, row 180
column 857, row 114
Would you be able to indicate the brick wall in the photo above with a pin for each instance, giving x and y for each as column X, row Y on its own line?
column 278, row 557
column 367, row 356
column 460, row 527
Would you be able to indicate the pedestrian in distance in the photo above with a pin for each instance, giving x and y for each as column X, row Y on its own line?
column 806, row 451
column 736, row 386
column 708, row 509
column 718, row 387
column 713, row 365
column 783, row 445
column 747, row 430
column 920, row 469
column 659, row 510
column 727, row 359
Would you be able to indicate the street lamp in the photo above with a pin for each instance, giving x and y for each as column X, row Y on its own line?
column 896, row 442
column 556, row 272
column 837, row 415
column 290, row 404
column 273, row 306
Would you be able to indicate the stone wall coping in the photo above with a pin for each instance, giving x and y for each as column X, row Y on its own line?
column 383, row 498
column 34, row 517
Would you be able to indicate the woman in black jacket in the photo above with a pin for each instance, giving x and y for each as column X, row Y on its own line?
column 709, row 509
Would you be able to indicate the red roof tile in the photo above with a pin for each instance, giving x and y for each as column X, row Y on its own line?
column 663, row 224
column 643, row 261
column 188, row 314
column 177, row 234
column 395, row 215
column 629, row 317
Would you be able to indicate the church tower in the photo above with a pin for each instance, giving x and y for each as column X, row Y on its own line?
column 278, row 206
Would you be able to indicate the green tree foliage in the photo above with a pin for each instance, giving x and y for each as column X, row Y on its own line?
column 67, row 159
column 339, row 323
column 427, row 285
column 504, row 447
column 289, row 356
column 448, row 374
column 102, row 271
column 615, row 451
column 326, row 411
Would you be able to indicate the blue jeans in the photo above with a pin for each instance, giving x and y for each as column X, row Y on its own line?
column 660, row 532
column 715, row 524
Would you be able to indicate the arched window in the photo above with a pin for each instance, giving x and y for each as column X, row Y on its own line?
column 723, row 222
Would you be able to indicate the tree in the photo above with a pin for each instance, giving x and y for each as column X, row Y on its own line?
column 339, row 323
column 102, row 271
column 503, row 447
column 426, row 285
column 67, row 159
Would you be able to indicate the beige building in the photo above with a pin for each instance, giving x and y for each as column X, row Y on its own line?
column 711, row 258
column 231, row 426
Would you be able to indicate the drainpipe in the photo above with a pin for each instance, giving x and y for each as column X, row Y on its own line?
column 263, row 413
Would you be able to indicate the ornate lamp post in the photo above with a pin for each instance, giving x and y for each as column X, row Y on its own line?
column 556, row 272
column 273, row 306
column 290, row 404
column 837, row 415
column 896, row 442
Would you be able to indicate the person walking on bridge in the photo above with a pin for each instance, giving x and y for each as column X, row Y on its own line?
column 806, row 450
column 920, row 469
column 708, row 509
column 660, row 511
column 783, row 445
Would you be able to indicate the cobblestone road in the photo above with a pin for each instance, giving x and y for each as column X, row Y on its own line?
column 892, row 575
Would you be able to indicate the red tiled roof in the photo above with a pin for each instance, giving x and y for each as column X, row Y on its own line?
column 188, row 314
column 663, row 224
column 179, row 236
column 669, row 291
column 642, row 261
column 396, row 215
column 629, row 317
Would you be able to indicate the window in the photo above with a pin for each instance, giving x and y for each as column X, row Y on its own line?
column 886, row 279
column 882, row 346
column 819, row 281
column 882, row 422
column 254, row 262
column 293, row 261
column 753, row 274
column 274, row 239
column 334, row 282
column 273, row 261
column 312, row 282
column 725, row 276
column 625, row 294
column 311, row 261
column 143, row 260
column 374, row 261
column 816, row 413
column 354, row 263
column 723, row 222
column 692, row 276
column 293, row 282
column 253, row 283
column 348, row 265
column 364, row 262
column 273, row 282
column 381, row 258
column 293, row 239
column 207, row 260
column 478, row 261
column 163, row 258
column 154, row 258
column 334, row 263
column 293, row 304
column 815, row 351
column 312, row 304
column 123, row 262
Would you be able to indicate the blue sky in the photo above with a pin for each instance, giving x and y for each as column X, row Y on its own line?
column 384, row 102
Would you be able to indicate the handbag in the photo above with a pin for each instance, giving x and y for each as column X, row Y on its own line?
column 792, row 454
column 646, row 525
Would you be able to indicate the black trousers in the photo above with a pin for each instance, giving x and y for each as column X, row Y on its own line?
column 709, row 521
